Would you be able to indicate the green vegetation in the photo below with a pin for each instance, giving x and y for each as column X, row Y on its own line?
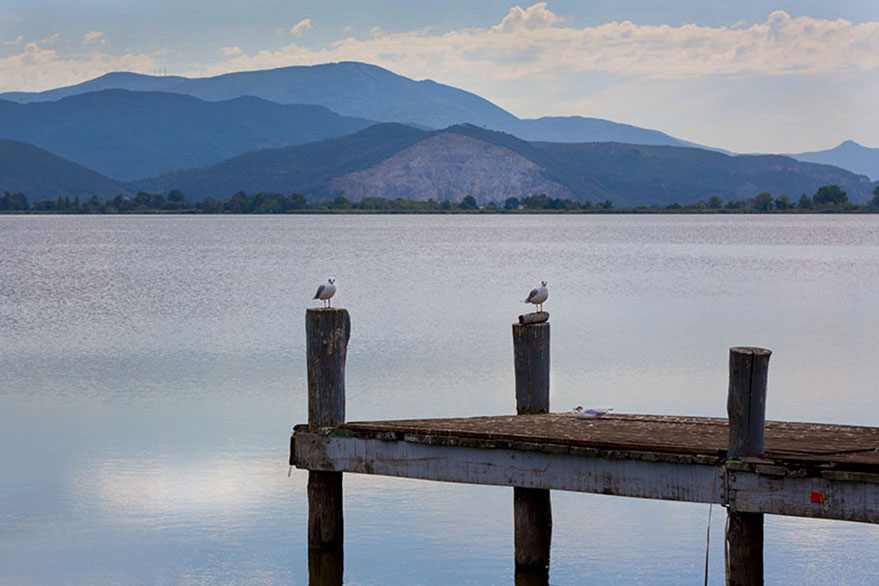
column 828, row 199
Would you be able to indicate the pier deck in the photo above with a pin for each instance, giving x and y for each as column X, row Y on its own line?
column 807, row 469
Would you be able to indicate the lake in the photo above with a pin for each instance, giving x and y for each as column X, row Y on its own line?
column 151, row 369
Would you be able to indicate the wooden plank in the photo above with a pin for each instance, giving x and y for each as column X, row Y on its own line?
column 843, row 446
column 754, row 485
column 818, row 497
column 685, row 480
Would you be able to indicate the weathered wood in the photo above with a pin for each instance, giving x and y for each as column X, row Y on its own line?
column 532, row 510
column 763, row 485
column 531, row 360
column 645, row 475
column 746, row 406
column 325, row 567
column 325, row 522
column 746, row 401
column 744, row 536
column 533, row 528
column 327, row 332
column 538, row 317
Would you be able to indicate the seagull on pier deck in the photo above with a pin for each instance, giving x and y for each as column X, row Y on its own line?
column 538, row 295
column 582, row 413
column 325, row 291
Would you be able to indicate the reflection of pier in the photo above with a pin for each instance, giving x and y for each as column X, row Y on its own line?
column 801, row 469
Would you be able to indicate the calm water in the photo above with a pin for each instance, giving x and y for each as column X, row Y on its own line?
column 151, row 369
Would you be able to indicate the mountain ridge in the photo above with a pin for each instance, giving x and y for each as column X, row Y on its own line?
column 361, row 90
column 391, row 160
column 130, row 135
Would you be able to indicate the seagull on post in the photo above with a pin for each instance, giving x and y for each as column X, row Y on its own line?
column 325, row 291
column 538, row 295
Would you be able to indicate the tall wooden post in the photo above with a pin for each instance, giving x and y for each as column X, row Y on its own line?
column 327, row 331
column 532, row 511
column 746, row 406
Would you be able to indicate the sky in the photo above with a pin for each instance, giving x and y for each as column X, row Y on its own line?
column 746, row 75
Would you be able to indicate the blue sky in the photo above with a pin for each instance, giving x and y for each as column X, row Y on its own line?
column 748, row 75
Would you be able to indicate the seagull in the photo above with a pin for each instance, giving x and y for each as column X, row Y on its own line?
column 538, row 295
column 325, row 291
column 582, row 413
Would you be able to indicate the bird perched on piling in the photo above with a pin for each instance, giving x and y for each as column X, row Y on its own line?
column 538, row 295
column 325, row 291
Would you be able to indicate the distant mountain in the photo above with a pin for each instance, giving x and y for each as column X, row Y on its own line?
column 130, row 135
column 40, row 174
column 392, row 160
column 305, row 169
column 848, row 155
column 370, row 92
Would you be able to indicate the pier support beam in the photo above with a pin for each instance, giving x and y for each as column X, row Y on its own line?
column 327, row 331
column 746, row 406
column 532, row 511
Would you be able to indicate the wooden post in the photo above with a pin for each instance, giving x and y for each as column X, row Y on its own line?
column 327, row 332
column 532, row 511
column 746, row 406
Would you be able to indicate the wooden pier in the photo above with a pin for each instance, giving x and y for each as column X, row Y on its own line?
column 749, row 466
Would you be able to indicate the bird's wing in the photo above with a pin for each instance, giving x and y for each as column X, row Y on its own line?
column 320, row 290
column 531, row 295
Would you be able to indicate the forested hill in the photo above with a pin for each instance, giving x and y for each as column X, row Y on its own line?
column 131, row 135
column 40, row 174
column 393, row 160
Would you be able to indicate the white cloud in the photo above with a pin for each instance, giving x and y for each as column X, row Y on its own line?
column 93, row 37
column 536, row 16
column 38, row 68
column 231, row 51
column 301, row 27
column 17, row 40
column 50, row 40
column 533, row 43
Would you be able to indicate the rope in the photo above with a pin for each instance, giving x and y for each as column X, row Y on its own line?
column 708, row 531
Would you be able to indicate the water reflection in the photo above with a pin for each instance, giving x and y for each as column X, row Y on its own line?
column 152, row 367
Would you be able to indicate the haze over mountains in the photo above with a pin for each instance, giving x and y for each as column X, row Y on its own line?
column 309, row 130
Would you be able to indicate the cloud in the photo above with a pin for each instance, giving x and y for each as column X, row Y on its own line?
column 39, row 68
column 534, row 17
column 50, row 40
column 301, row 27
column 17, row 40
column 93, row 37
column 534, row 43
column 231, row 51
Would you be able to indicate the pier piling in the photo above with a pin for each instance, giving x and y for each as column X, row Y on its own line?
column 746, row 406
column 327, row 332
column 532, row 510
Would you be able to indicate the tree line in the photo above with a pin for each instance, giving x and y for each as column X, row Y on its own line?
column 829, row 198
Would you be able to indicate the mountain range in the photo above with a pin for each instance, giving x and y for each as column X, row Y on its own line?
column 311, row 130
column 848, row 155
column 392, row 160
column 130, row 135
column 365, row 91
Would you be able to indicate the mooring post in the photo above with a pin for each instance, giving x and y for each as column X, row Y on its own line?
column 532, row 512
column 746, row 406
column 327, row 331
